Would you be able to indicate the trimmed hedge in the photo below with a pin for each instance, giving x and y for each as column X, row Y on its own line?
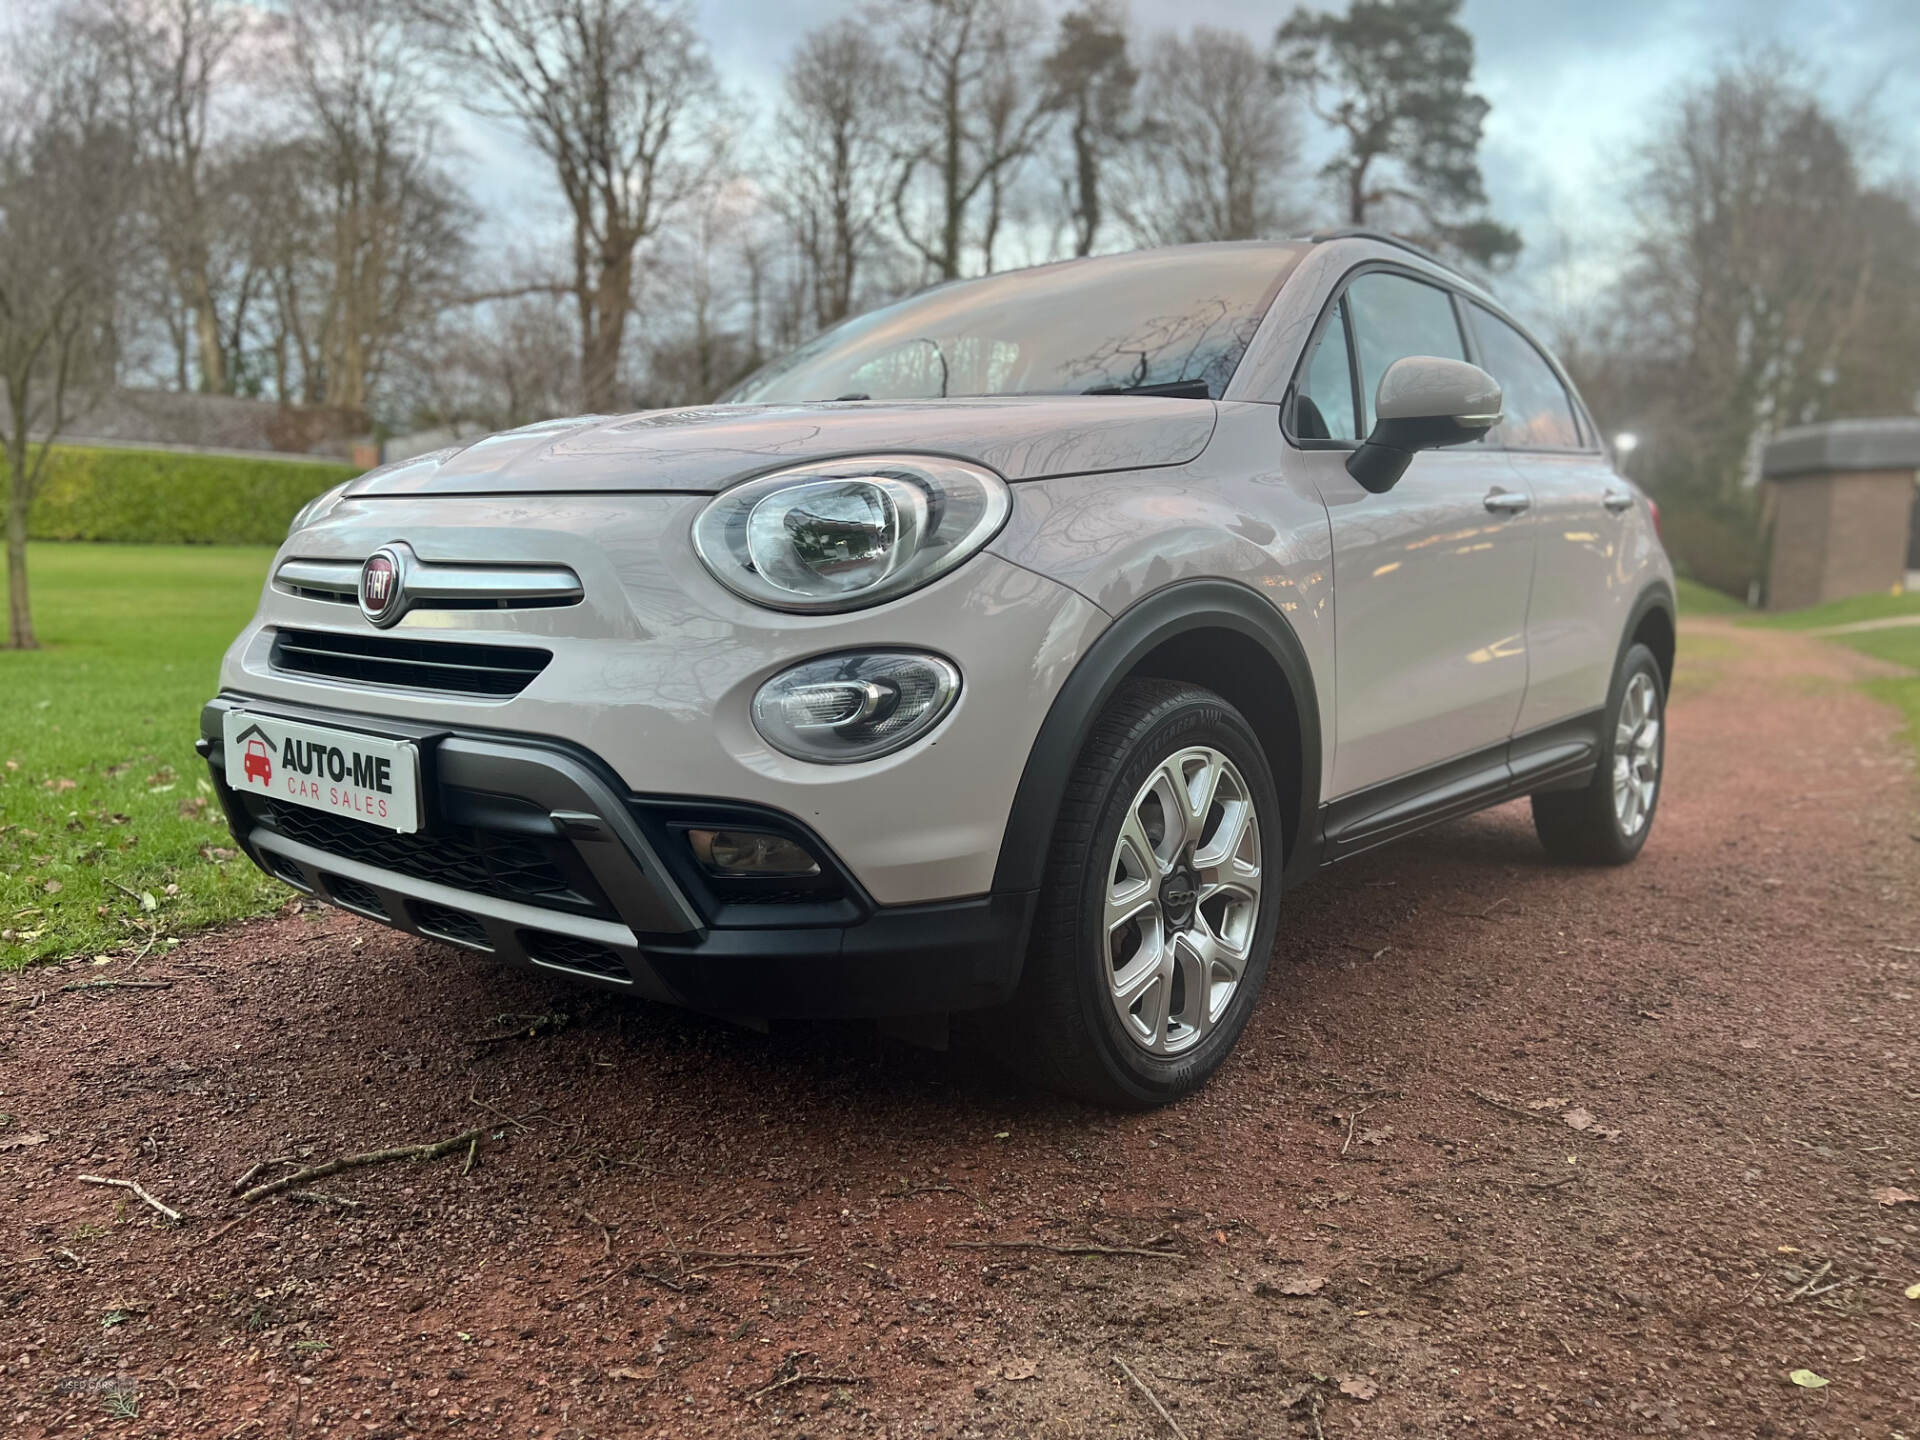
column 164, row 497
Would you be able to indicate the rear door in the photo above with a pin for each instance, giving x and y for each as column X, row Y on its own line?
column 1581, row 591
column 1430, row 579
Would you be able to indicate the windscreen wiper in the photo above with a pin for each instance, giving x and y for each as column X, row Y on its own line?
column 1174, row 389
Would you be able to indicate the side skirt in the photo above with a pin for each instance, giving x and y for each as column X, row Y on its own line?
column 1555, row 757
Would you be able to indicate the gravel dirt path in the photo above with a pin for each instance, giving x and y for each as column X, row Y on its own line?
column 1508, row 1149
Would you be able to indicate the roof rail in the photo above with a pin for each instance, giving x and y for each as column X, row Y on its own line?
column 1361, row 232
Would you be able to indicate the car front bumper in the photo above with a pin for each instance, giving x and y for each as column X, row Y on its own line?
column 533, row 853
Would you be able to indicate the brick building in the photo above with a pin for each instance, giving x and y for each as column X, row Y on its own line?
column 1843, row 508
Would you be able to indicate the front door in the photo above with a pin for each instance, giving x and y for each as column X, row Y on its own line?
column 1430, row 579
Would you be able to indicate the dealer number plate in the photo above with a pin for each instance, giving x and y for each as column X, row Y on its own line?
column 363, row 777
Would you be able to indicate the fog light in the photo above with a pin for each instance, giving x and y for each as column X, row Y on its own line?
column 750, row 852
column 854, row 707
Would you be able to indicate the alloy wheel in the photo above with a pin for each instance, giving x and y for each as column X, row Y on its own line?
column 1636, row 754
column 1183, row 900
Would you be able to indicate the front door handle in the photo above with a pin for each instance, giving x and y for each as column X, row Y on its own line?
column 1508, row 502
column 1617, row 500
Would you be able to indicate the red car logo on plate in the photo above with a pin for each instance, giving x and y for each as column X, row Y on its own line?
column 257, row 764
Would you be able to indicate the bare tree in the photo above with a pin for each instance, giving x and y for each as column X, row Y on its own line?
column 1757, row 264
column 393, row 223
column 1748, row 271
column 835, row 157
column 1215, row 153
column 169, row 55
column 620, row 97
column 66, row 176
column 975, row 110
column 1092, row 81
column 493, row 366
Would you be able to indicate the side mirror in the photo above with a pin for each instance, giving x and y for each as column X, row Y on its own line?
column 1424, row 402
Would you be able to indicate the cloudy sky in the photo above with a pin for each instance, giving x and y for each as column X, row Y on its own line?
column 1573, row 85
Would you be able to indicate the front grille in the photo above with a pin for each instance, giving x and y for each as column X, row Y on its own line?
column 447, row 924
column 530, row 870
column 568, row 952
column 356, row 896
column 445, row 666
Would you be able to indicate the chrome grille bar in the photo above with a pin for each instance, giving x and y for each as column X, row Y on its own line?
column 439, row 586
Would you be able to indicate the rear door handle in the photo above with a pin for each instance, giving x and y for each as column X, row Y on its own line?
column 1508, row 502
column 1617, row 500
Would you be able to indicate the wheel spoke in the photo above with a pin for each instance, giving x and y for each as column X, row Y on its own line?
column 1135, row 841
column 1193, row 953
column 1192, row 776
column 1128, row 905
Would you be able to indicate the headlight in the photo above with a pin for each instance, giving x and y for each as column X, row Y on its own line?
column 318, row 506
column 850, row 533
column 843, row 708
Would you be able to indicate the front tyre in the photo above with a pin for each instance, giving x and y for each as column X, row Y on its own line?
column 1607, row 822
column 1161, row 897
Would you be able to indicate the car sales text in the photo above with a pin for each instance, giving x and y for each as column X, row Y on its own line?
column 370, row 777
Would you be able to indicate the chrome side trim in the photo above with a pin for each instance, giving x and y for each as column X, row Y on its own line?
column 431, row 586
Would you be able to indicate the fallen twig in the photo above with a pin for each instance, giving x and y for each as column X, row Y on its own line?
column 256, row 1170
column 225, row 1230
column 1352, row 1119
column 1511, row 1109
column 1152, row 1399
column 119, row 985
column 606, row 1233
column 1453, row 1268
column 432, row 1151
column 1812, row 1280
column 536, row 1025
column 166, row 1210
column 658, row 1279
column 317, row 1197
column 804, row 1378
column 473, row 1098
column 1062, row 1249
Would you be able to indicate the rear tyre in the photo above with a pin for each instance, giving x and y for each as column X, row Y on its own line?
column 1607, row 822
column 1160, row 902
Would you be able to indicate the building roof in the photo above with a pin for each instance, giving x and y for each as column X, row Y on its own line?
column 1837, row 446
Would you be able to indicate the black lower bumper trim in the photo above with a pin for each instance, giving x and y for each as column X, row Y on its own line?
column 851, row 959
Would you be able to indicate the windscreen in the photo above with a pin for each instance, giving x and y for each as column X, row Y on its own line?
column 1167, row 321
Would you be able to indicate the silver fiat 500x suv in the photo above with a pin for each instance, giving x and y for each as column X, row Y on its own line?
column 1013, row 647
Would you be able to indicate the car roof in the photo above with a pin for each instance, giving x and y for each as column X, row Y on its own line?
column 1382, row 244
column 1367, row 243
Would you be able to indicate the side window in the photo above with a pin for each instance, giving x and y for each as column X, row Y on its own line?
column 1537, row 415
column 1323, row 401
column 1394, row 317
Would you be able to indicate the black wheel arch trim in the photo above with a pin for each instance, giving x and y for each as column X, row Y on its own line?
column 1656, row 596
column 1186, row 607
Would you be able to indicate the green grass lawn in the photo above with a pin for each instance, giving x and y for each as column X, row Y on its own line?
column 110, row 838
column 1901, row 646
column 1898, row 644
column 1695, row 599
column 1853, row 609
